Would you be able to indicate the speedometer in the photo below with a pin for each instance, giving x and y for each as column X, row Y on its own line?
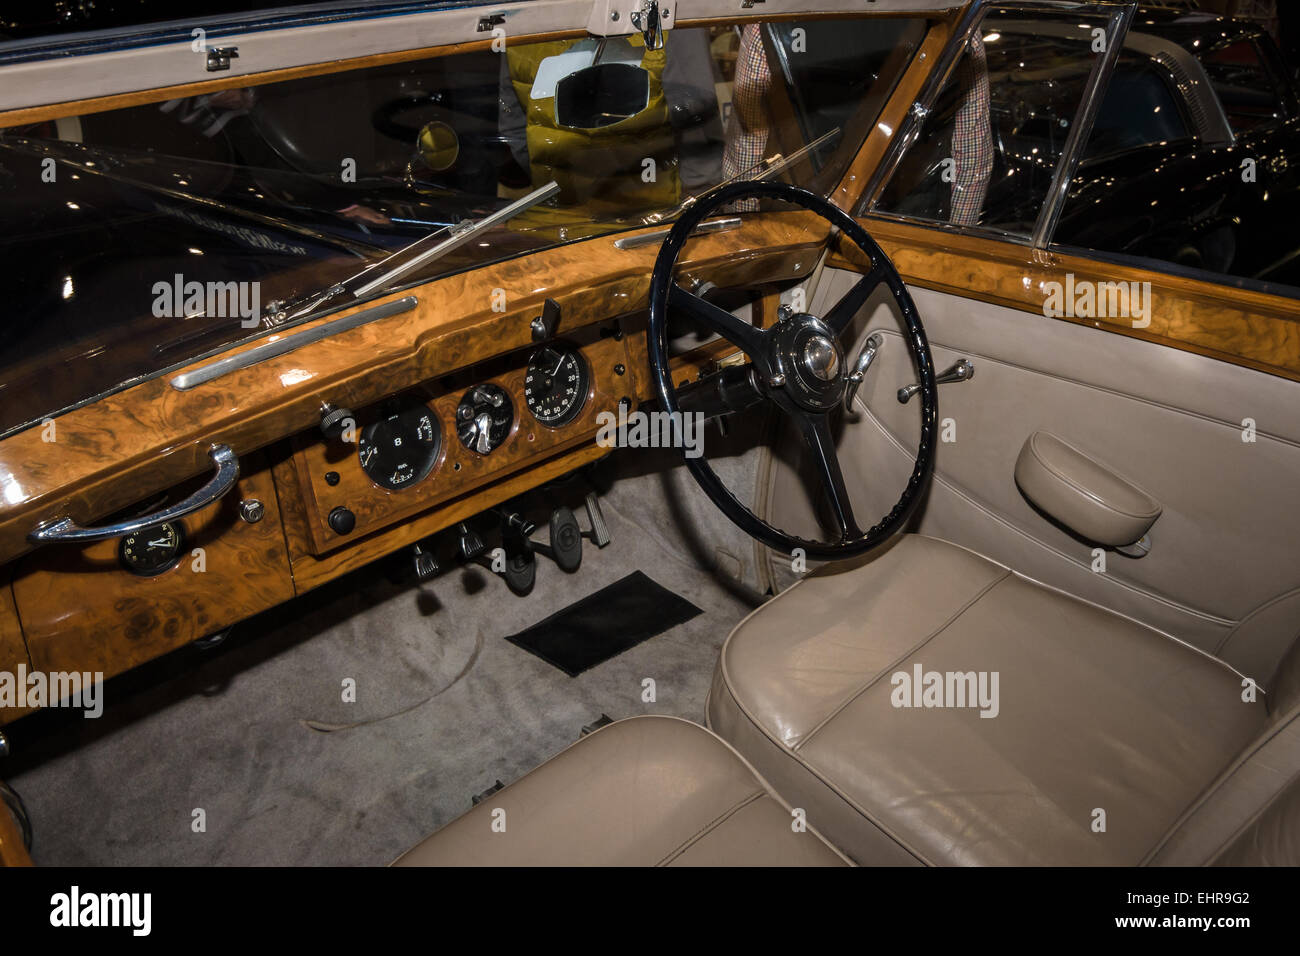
column 402, row 447
column 555, row 385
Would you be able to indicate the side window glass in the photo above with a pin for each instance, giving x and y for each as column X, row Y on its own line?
column 1139, row 109
column 1160, row 184
column 1243, row 84
column 988, row 149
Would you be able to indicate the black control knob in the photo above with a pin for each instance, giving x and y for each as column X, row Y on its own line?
column 342, row 520
column 334, row 419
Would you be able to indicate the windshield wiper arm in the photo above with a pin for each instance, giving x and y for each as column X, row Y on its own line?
column 282, row 313
column 460, row 234
column 764, row 167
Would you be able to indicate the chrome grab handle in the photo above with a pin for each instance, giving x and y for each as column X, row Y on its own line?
column 870, row 349
column 647, row 238
column 65, row 529
column 963, row 370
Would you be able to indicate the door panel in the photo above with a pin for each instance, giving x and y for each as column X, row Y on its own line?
column 1223, row 572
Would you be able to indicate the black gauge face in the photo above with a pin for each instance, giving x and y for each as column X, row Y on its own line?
column 153, row 550
column 555, row 385
column 484, row 417
column 402, row 447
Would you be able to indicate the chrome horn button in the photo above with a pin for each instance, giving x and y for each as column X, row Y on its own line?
column 804, row 347
column 821, row 357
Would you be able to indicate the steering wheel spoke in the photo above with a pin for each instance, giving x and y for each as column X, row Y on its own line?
column 752, row 341
column 851, row 303
column 817, row 433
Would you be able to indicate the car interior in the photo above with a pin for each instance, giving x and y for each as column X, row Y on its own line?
column 650, row 432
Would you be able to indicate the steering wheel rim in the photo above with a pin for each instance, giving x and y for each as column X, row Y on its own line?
column 781, row 371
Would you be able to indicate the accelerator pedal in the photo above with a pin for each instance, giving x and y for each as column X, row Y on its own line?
column 599, row 533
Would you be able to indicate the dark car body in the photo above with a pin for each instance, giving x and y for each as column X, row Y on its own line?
column 1209, row 212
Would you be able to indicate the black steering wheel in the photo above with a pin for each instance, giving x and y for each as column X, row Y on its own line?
column 798, row 365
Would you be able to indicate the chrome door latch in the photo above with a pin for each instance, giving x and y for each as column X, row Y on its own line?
column 963, row 370
column 219, row 58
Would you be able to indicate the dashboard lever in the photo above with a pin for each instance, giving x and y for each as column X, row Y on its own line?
column 469, row 543
column 425, row 562
column 963, row 370
column 544, row 325
column 870, row 349
column 226, row 466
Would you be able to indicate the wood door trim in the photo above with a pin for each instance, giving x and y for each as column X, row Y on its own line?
column 852, row 186
column 1240, row 326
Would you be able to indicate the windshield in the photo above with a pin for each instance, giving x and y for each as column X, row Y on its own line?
column 140, row 239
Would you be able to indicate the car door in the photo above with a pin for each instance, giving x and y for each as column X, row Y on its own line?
column 1128, row 378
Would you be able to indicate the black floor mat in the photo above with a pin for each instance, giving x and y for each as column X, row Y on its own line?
column 605, row 624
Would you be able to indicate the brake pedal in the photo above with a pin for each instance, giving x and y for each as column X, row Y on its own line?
column 565, row 547
column 566, row 539
column 599, row 533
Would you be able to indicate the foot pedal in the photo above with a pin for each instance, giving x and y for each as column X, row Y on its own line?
column 601, row 721
column 469, row 542
column 566, row 539
column 424, row 563
column 480, row 797
column 520, row 572
column 599, row 533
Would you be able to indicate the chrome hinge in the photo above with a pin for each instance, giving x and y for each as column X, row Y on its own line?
column 649, row 21
column 219, row 58
column 485, row 24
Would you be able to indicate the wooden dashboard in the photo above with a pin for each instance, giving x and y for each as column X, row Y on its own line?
column 79, row 609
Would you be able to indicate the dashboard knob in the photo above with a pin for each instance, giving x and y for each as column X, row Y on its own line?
column 342, row 520
column 334, row 419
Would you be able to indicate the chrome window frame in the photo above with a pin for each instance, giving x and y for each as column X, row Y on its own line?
column 1118, row 19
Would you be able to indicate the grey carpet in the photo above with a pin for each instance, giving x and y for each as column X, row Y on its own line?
column 444, row 705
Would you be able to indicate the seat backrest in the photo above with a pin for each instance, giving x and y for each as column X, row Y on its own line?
column 1250, row 816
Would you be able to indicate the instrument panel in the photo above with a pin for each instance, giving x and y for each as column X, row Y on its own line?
column 402, row 446
column 555, row 394
column 444, row 438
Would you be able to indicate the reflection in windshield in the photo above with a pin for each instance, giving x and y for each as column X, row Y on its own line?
column 141, row 239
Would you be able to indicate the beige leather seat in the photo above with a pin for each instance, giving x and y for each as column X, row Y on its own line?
column 640, row 792
column 1105, row 743
column 1097, row 718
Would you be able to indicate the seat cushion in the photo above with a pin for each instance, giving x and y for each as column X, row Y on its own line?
column 1100, row 734
column 640, row 792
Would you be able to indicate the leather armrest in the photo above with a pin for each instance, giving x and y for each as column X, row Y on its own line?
column 1085, row 496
